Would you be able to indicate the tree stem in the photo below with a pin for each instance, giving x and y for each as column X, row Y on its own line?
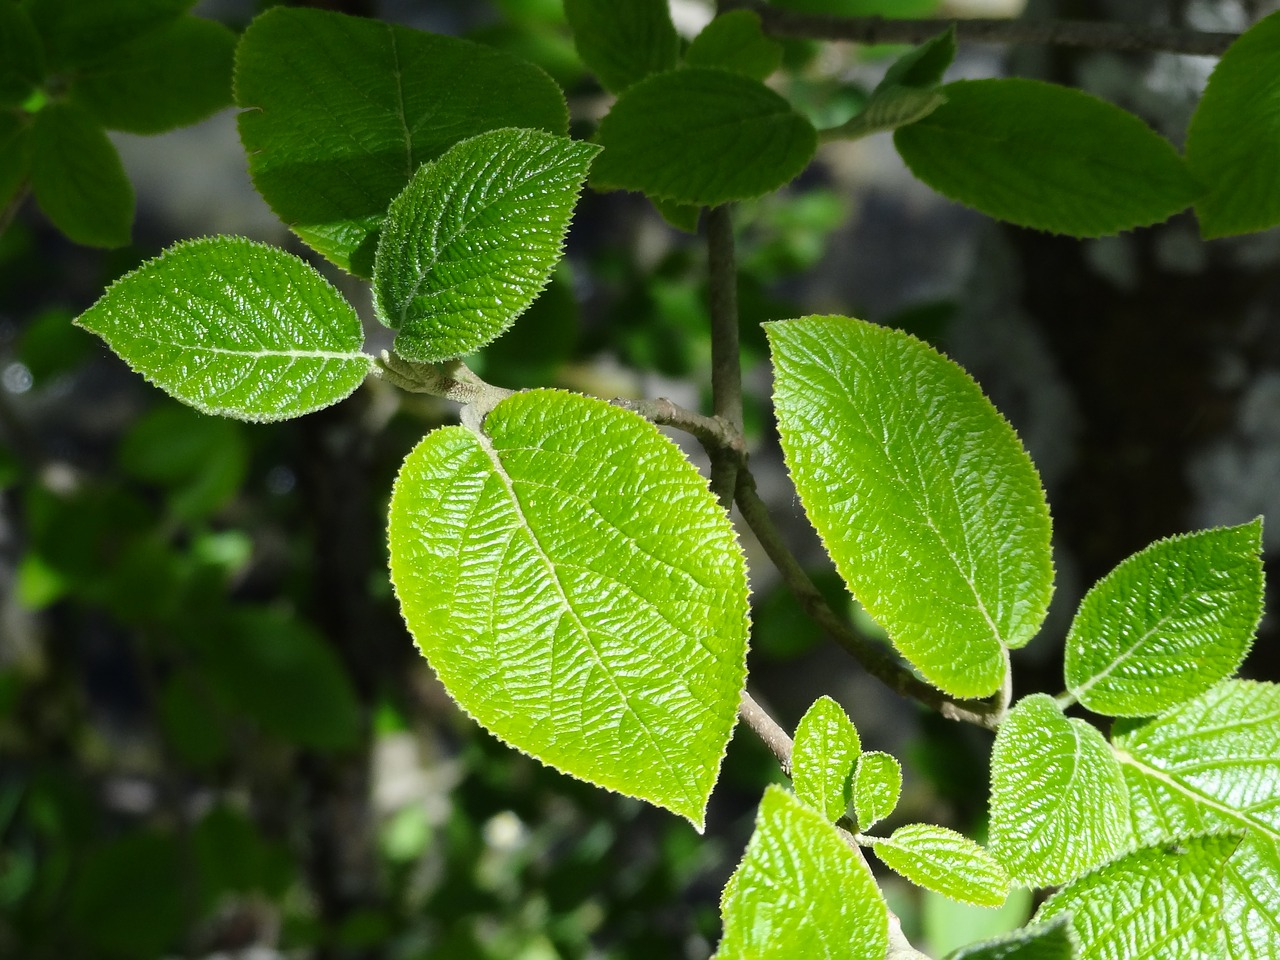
column 726, row 361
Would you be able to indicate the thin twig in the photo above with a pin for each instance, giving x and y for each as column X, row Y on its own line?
column 726, row 360
column 1123, row 37
column 876, row 659
column 767, row 729
column 713, row 433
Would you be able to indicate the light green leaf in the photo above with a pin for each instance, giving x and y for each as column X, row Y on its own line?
column 1234, row 136
column 1213, row 764
column 169, row 77
column 623, row 42
column 76, row 31
column 701, row 136
column 1048, row 157
column 578, row 591
column 1167, row 623
column 1155, row 903
column 945, row 862
column 1055, row 940
column 78, row 179
column 912, row 477
column 235, row 328
column 342, row 111
column 734, row 41
column 473, row 239
column 801, row 891
column 1058, row 801
column 877, row 785
column 823, row 758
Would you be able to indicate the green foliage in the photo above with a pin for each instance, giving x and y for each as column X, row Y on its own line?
column 823, row 759
column 945, row 862
column 236, row 328
column 623, row 43
column 1235, row 124
column 701, row 136
column 473, row 238
column 1054, row 940
column 333, row 140
column 907, row 471
column 1167, row 623
column 801, row 891
column 877, row 785
column 1058, row 801
column 1048, row 157
column 909, row 91
column 600, row 628
column 75, row 33
column 734, row 41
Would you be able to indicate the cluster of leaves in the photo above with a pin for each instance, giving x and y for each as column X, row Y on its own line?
column 576, row 585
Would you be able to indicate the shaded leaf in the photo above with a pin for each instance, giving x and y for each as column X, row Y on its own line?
column 734, row 41
column 623, row 42
column 75, row 31
column 78, row 179
column 1054, row 940
column 21, row 55
column 823, row 758
column 945, row 862
column 15, row 148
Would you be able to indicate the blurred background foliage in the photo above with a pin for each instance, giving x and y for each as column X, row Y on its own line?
column 216, row 738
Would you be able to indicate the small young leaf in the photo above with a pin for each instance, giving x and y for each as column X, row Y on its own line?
column 945, row 862
column 1058, row 800
column 921, row 492
column 1053, row 940
column 734, row 41
column 235, row 328
column 801, row 891
column 877, row 785
column 343, row 110
column 822, row 761
column 579, row 592
column 1152, row 904
column 78, row 179
column 473, row 239
column 169, row 77
column 1048, row 157
column 890, row 109
column 1213, row 764
column 1167, row 623
column 1234, row 131
column 701, row 136
column 623, row 42
column 923, row 66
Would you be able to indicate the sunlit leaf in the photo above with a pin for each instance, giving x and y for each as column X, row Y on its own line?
column 945, row 862
column 877, row 784
column 823, row 758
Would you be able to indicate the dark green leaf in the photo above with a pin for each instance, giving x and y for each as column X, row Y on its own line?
column 1045, row 156
column 623, row 42
column 77, row 31
column 15, row 154
column 78, row 179
column 169, row 77
column 126, row 897
column 1054, row 940
column 734, row 41
column 342, row 111
column 21, row 55
column 923, row 66
column 702, row 136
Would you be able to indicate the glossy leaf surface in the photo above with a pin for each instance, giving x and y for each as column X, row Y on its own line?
column 801, row 891
column 734, row 41
column 235, row 328
column 1053, row 940
column 701, row 136
column 877, row 785
column 823, row 758
column 1058, row 801
column 945, row 862
column 1167, row 623
column 623, row 42
column 579, row 592
column 341, row 111
column 1234, row 136
column 78, row 179
column 1049, row 157
column 473, row 238
column 910, row 475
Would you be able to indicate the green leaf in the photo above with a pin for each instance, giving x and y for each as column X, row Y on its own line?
column 21, row 55
column 1048, row 157
column 125, row 897
column 823, row 758
column 623, row 42
column 945, row 862
column 1234, row 136
column 1213, row 764
column 923, row 66
column 1054, row 940
column 235, row 328
column 76, row 32
column 701, row 136
column 1058, row 800
column 473, row 239
column 877, row 785
column 78, row 179
column 682, row 216
column 15, row 154
column 861, row 8
column 578, row 591
column 167, row 78
column 801, row 891
column 342, row 111
column 890, row 109
column 921, row 492
column 734, row 41
column 1167, row 623
column 1155, row 903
